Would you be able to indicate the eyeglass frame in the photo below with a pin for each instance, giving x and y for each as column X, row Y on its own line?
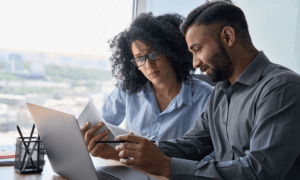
column 133, row 61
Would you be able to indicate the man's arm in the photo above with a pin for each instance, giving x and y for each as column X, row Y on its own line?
column 274, row 144
column 157, row 160
column 194, row 145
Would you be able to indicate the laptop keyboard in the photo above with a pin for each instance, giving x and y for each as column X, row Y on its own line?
column 105, row 176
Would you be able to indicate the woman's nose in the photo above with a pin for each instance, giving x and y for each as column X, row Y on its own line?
column 148, row 63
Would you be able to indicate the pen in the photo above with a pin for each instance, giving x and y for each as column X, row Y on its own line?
column 32, row 130
column 114, row 141
column 26, row 148
column 32, row 151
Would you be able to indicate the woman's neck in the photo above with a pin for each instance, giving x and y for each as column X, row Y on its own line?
column 165, row 92
column 167, row 89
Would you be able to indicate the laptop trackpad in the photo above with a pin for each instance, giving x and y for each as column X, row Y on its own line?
column 123, row 172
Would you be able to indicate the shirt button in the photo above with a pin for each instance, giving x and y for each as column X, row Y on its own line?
column 229, row 150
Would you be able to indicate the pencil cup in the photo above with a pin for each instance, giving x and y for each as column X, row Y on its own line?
column 30, row 160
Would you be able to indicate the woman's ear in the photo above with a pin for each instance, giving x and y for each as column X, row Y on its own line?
column 227, row 36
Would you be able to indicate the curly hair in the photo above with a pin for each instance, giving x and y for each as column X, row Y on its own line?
column 162, row 34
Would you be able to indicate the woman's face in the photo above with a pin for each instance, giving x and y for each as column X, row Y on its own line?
column 158, row 71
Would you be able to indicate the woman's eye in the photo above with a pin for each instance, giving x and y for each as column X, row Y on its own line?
column 140, row 59
column 154, row 55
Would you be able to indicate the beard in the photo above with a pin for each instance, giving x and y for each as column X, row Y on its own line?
column 222, row 63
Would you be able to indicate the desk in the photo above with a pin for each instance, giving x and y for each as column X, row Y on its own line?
column 8, row 173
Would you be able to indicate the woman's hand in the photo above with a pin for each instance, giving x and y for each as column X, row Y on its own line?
column 101, row 150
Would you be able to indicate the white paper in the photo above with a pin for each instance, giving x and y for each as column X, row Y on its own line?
column 90, row 113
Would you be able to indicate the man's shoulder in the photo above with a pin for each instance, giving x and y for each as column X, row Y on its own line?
column 277, row 75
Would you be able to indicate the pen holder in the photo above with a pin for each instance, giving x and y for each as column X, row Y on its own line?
column 31, row 161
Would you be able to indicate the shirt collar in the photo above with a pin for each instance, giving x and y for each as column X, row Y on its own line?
column 184, row 96
column 250, row 76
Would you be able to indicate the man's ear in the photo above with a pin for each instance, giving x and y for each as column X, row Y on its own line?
column 227, row 36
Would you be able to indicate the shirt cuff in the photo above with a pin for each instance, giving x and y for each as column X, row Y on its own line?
column 182, row 169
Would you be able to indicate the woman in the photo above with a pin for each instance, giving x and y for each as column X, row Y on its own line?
column 156, row 92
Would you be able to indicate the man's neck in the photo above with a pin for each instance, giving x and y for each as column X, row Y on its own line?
column 240, row 61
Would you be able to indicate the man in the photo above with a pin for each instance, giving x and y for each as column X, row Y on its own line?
column 251, row 120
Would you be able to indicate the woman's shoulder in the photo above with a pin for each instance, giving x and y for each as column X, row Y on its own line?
column 126, row 92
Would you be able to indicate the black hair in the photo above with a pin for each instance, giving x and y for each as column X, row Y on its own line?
column 160, row 33
column 220, row 13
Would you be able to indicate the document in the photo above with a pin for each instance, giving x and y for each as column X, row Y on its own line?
column 90, row 113
column 7, row 158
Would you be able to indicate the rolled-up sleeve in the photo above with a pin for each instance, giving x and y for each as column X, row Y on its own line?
column 113, row 109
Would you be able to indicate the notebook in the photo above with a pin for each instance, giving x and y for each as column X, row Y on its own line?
column 66, row 149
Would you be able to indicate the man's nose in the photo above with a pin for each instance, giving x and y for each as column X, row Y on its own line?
column 196, row 63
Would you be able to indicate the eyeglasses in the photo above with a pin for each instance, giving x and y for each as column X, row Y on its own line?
column 141, row 60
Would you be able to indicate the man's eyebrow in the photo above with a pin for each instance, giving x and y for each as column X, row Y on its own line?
column 193, row 46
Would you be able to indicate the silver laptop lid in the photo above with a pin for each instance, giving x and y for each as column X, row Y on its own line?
column 64, row 144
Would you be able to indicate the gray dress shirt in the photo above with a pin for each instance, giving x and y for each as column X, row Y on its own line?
column 253, row 125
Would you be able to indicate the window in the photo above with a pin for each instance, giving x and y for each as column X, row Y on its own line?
column 55, row 54
column 274, row 27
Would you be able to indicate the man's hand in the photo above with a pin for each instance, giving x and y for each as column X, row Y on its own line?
column 143, row 154
column 98, row 149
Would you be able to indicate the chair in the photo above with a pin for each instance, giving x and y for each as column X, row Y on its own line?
column 204, row 78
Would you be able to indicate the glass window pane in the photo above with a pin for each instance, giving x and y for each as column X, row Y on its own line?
column 171, row 6
column 55, row 54
column 274, row 26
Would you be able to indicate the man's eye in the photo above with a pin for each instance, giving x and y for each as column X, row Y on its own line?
column 198, row 49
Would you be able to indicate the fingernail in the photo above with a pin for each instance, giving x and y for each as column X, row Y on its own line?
column 100, row 123
column 86, row 122
column 122, row 161
column 106, row 130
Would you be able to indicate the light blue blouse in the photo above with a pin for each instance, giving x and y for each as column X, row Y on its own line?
column 143, row 116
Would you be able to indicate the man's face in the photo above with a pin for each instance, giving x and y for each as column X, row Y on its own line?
column 209, row 54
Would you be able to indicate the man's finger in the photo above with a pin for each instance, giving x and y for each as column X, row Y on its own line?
column 129, row 153
column 129, row 137
column 127, row 145
column 131, row 162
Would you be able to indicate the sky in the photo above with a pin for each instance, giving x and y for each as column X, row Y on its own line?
column 63, row 26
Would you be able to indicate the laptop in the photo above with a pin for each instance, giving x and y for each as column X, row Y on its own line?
column 66, row 149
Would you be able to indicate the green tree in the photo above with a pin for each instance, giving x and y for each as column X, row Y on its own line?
column 3, row 65
column 26, row 65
